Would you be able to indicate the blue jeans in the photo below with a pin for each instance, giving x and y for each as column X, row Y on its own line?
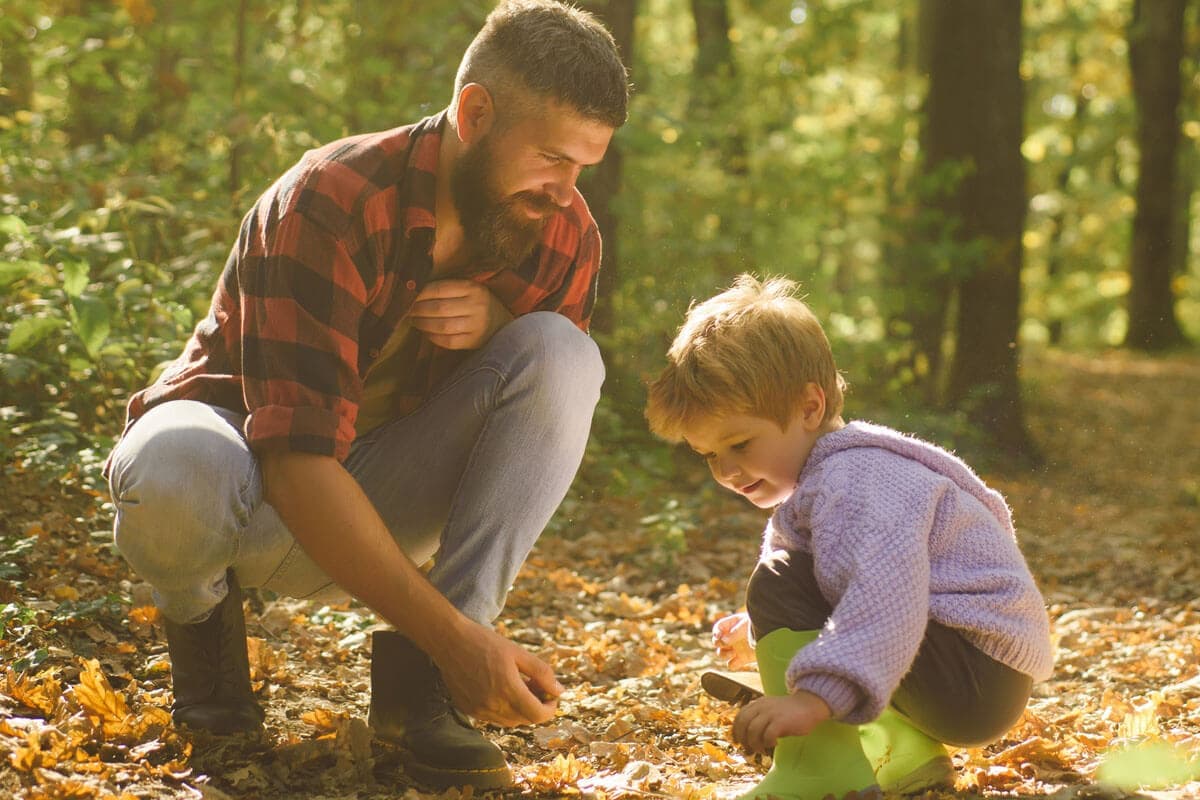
column 473, row 475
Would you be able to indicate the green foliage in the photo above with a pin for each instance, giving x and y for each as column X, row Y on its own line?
column 133, row 135
column 1152, row 764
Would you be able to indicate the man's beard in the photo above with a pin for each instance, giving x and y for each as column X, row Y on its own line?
column 498, row 230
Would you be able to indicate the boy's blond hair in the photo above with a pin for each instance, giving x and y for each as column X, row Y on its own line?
column 749, row 350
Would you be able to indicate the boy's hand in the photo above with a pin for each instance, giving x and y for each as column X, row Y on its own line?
column 731, row 637
column 761, row 724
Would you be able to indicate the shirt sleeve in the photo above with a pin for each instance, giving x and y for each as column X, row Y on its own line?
column 302, row 304
column 872, row 537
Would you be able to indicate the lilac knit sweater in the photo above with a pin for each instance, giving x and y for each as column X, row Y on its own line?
column 901, row 532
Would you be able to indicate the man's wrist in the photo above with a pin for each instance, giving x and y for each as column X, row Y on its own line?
column 441, row 634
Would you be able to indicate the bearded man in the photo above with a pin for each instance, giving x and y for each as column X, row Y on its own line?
column 395, row 368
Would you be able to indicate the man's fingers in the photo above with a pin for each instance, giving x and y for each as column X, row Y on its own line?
column 434, row 309
column 540, row 675
column 443, row 325
column 539, row 688
column 528, row 709
column 449, row 288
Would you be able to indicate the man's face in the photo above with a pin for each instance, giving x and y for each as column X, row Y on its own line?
column 507, row 184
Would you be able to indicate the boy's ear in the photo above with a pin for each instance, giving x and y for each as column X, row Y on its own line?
column 812, row 406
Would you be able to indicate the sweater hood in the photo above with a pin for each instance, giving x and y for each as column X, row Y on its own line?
column 867, row 434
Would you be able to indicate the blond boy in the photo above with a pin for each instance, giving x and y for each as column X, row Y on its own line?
column 891, row 610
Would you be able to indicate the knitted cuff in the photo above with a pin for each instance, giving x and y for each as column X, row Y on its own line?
column 842, row 696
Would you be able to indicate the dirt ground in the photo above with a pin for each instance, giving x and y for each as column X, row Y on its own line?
column 1110, row 525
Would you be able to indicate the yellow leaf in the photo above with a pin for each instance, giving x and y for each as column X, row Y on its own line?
column 30, row 756
column 144, row 615
column 322, row 719
column 97, row 697
column 41, row 697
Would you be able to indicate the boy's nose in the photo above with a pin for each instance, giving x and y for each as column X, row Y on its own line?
column 724, row 469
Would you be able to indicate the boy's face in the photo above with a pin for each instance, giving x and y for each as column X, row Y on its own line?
column 752, row 456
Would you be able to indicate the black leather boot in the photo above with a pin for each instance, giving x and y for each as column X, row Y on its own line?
column 411, row 709
column 210, row 670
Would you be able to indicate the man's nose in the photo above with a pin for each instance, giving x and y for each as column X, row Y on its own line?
column 562, row 189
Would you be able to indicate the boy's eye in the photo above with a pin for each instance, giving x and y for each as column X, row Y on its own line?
column 740, row 446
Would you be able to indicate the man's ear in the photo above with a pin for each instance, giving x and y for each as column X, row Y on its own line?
column 812, row 406
column 476, row 113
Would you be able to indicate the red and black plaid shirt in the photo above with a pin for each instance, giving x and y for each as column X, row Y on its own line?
column 326, row 264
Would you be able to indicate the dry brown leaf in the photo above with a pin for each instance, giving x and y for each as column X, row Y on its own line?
column 97, row 697
column 145, row 615
column 563, row 773
column 41, row 696
column 323, row 720
column 31, row 755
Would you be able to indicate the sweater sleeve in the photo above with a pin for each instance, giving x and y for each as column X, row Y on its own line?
column 870, row 533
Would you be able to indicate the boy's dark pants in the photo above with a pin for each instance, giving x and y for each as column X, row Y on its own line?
column 953, row 691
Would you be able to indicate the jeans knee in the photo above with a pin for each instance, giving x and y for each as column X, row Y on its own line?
column 171, row 488
column 567, row 360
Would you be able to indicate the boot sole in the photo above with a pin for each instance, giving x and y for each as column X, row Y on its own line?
column 446, row 777
column 932, row 774
column 732, row 687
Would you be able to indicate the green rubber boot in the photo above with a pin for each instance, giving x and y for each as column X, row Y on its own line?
column 829, row 760
column 905, row 759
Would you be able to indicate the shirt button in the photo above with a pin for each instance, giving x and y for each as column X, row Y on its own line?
column 411, row 285
column 373, row 352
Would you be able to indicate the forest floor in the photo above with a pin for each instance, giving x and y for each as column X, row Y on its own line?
column 1110, row 526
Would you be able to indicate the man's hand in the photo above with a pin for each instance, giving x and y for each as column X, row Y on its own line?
column 496, row 680
column 335, row 522
column 761, row 724
column 731, row 637
column 458, row 314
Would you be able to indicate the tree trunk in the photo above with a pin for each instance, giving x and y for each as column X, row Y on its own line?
column 1059, row 221
column 1189, row 157
column 602, row 186
column 16, row 70
column 1155, row 53
column 915, row 288
column 975, row 107
column 713, row 109
column 238, row 124
column 95, row 98
column 922, row 279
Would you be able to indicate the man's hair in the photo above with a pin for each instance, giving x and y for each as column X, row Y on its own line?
column 749, row 350
column 549, row 50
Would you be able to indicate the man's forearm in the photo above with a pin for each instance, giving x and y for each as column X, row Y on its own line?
column 336, row 524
